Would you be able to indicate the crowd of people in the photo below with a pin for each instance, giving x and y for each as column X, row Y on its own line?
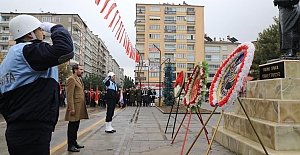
column 131, row 96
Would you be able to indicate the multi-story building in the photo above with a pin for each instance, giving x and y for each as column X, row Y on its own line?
column 216, row 51
column 177, row 30
column 90, row 50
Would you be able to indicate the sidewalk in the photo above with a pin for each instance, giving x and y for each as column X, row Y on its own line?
column 141, row 131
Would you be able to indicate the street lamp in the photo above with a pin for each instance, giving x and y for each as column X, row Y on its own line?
column 148, row 71
column 159, row 83
column 140, row 67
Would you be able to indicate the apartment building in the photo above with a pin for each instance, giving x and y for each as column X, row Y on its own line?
column 177, row 30
column 90, row 50
column 216, row 51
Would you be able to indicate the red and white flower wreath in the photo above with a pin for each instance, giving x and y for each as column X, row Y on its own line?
column 215, row 97
column 195, row 86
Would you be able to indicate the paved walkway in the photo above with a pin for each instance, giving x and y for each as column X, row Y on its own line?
column 140, row 130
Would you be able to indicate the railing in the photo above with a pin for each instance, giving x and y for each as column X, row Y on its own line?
column 140, row 39
column 4, row 22
column 170, row 40
column 170, row 12
column 140, row 30
column 140, row 11
column 190, row 40
column 170, row 21
column 191, row 31
column 190, row 12
column 170, row 50
column 170, row 31
column 140, row 21
column 4, row 31
column 190, row 22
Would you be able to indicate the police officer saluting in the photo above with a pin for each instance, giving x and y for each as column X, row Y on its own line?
column 111, row 100
column 29, row 84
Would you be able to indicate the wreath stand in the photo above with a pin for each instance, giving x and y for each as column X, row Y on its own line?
column 187, row 127
column 178, row 103
column 217, row 126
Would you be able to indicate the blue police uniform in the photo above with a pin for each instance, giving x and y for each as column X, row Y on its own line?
column 29, row 88
column 111, row 98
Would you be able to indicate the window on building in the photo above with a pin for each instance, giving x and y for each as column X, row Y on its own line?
column 170, row 47
column 214, row 58
column 140, row 47
column 181, row 27
column 154, row 36
column 211, row 75
column 170, row 56
column 224, row 48
column 180, row 9
column 154, row 55
column 191, row 18
column 154, row 27
column 214, row 49
column 181, row 18
column 4, row 38
column 70, row 19
column 181, row 36
column 154, row 17
column 5, row 18
column 224, row 57
column 155, row 8
column 170, row 10
column 213, row 67
column 170, row 19
column 180, row 55
column 170, row 36
column 191, row 48
column 56, row 19
column 154, row 74
column 190, row 57
column 190, row 37
column 181, row 46
column 46, row 19
column 190, row 67
column 181, row 65
column 152, row 47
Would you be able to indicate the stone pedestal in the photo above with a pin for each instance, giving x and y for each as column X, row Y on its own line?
column 273, row 104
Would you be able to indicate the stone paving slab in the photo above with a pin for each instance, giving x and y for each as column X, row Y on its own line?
column 140, row 130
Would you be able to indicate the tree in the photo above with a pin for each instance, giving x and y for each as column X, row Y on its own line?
column 128, row 82
column 168, row 91
column 95, row 81
column 267, row 47
column 64, row 72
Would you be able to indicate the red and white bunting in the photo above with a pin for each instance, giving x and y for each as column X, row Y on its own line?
column 121, row 34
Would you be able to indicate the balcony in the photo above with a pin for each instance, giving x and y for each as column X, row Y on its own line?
column 170, row 31
column 140, row 21
column 190, row 11
column 4, row 31
column 4, row 22
column 190, row 68
column 170, row 12
column 191, row 31
column 75, row 23
column 190, row 40
column 140, row 30
column 170, row 40
column 170, row 50
column 140, row 11
column 170, row 21
column 190, row 22
column 140, row 39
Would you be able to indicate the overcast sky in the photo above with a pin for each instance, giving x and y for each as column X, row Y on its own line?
column 243, row 19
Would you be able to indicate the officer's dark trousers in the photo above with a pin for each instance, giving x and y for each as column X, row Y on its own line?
column 72, row 133
column 110, row 108
column 28, row 142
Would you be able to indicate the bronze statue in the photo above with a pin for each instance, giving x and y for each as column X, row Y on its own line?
column 289, row 26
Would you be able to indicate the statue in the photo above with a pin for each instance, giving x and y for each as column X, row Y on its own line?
column 289, row 27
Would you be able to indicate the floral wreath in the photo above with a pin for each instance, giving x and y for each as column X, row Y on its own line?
column 196, row 86
column 230, row 77
column 179, row 84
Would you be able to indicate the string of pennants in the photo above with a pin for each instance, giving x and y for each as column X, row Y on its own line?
column 118, row 27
